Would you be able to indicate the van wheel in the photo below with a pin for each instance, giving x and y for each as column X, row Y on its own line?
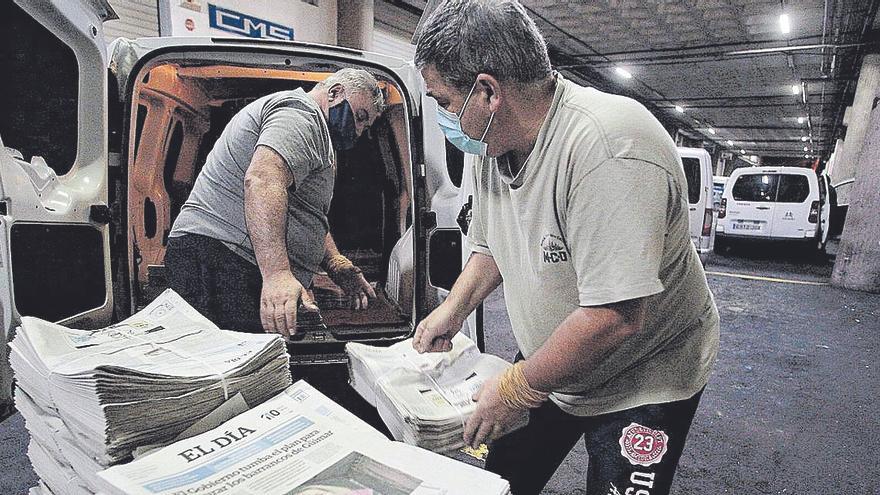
column 721, row 246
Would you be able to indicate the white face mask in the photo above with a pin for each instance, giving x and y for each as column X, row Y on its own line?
column 450, row 124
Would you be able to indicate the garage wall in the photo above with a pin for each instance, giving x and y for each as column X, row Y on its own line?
column 137, row 18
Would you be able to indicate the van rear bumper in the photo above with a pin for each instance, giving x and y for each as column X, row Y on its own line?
column 807, row 236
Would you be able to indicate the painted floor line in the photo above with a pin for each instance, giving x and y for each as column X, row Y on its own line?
column 766, row 279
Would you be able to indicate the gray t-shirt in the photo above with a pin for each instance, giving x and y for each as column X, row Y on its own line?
column 598, row 214
column 290, row 123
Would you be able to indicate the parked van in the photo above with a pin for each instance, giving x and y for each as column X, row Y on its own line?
column 94, row 172
column 698, row 170
column 784, row 203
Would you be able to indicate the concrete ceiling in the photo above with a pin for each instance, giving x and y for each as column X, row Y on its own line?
column 726, row 62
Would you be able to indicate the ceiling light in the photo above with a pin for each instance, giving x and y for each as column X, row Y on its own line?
column 711, row 131
column 806, row 148
column 804, row 138
column 806, row 156
column 784, row 24
column 795, row 89
column 801, row 120
column 743, row 152
column 679, row 109
column 623, row 73
column 729, row 142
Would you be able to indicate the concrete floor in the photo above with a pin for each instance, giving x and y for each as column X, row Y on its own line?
column 789, row 408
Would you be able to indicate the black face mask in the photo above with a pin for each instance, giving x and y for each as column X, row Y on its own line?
column 343, row 133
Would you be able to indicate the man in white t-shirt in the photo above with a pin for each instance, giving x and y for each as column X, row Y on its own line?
column 580, row 208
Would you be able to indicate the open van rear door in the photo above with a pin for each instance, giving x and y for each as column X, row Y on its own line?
column 54, row 242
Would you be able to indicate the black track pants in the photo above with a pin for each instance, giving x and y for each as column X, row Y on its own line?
column 631, row 452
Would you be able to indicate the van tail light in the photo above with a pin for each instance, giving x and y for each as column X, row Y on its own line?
column 722, row 212
column 707, row 222
column 814, row 212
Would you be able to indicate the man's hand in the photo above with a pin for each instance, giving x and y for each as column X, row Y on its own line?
column 350, row 279
column 492, row 419
column 435, row 332
column 278, row 302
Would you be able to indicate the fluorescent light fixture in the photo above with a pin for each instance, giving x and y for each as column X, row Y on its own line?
column 679, row 109
column 623, row 73
column 743, row 152
column 795, row 89
column 804, row 138
column 729, row 142
column 784, row 24
column 801, row 120
column 712, row 131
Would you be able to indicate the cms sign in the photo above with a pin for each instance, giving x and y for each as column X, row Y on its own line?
column 246, row 25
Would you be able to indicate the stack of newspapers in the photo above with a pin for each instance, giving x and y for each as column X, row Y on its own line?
column 424, row 399
column 91, row 399
column 298, row 443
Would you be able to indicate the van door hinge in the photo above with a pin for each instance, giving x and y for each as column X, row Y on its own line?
column 99, row 214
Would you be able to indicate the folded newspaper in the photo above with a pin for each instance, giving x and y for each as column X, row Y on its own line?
column 298, row 443
column 91, row 398
column 424, row 399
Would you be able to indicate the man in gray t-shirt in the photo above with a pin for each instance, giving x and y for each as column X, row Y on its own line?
column 254, row 229
column 580, row 207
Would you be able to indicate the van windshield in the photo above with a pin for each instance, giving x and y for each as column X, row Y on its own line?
column 692, row 173
column 755, row 187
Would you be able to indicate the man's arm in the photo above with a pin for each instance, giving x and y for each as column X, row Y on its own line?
column 581, row 341
column 346, row 275
column 573, row 350
column 478, row 279
column 265, row 204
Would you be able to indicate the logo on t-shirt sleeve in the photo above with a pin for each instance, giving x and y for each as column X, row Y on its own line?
column 553, row 248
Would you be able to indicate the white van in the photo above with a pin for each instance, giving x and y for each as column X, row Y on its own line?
column 698, row 170
column 94, row 172
column 784, row 203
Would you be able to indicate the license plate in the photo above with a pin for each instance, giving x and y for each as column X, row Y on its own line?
column 747, row 226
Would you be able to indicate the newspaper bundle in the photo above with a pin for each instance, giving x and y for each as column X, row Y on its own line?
column 424, row 399
column 91, row 398
column 300, row 442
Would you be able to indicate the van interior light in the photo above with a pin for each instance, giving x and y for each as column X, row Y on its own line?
column 765, row 179
column 801, row 120
column 679, row 109
column 804, row 138
column 711, row 131
column 784, row 24
column 795, row 89
column 623, row 73
column 729, row 142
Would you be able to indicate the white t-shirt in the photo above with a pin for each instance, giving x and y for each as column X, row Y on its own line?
column 598, row 214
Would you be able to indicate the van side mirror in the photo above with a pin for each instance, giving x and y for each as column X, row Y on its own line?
column 444, row 257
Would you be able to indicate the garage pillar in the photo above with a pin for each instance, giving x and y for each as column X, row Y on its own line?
column 354, row 24
column 857, row 119
column 858, row 259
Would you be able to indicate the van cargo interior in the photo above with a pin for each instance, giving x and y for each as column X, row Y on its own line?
column 179, row 110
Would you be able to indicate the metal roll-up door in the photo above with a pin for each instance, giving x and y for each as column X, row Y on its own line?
column 137, row 19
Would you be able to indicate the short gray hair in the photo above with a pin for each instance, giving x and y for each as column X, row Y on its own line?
column 463, row 38
column 357, row 81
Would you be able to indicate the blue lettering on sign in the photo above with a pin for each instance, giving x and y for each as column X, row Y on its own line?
column 246, row 25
